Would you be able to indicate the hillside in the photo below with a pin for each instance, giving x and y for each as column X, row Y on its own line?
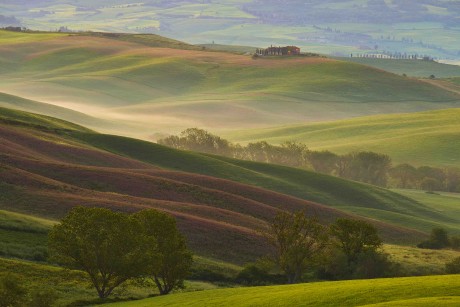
column 402, row 136
column 414, row 291
column 419, row 68
column 157, row 90
column 332, row 27
column 48, row 166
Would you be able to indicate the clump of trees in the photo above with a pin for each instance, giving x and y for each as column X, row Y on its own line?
column 113, row 247
column 439, row 239
column 365, row 166
column 355, row 252
column 300, row 245
column 426, row 178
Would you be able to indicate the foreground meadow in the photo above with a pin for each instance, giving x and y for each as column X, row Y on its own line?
column 413, row 291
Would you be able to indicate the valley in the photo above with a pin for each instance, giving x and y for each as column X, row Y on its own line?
column 80, row 114
column 123, row 86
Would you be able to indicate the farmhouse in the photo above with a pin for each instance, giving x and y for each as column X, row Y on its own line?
column 287, row 50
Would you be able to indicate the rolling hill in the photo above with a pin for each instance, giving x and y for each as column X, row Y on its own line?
column 414, row 291
column 49, row 165
column 419, row 68
column 423, row 138
column 142, row 90
column 335, row 27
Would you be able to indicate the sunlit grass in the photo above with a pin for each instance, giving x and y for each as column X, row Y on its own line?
column 343, row 293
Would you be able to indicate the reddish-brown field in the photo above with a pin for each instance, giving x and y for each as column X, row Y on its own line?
column 46, row 174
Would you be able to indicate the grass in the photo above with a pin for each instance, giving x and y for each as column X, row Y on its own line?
column 9, row 37
column 415, row 261
column 18, row 103
column 20, row 118
column 343, row 293
column 419, row 68
column 402, row 136
column 443, row 202
column 338, row 193
column 23, row 236
column 129, row 80
column 300, row 183
column 71, row 286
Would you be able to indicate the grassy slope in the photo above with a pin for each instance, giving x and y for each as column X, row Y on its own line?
column 20, row 118
column 23, row 236
column 18, row 103
column 418, row 262
column 343, row 293
column 402, row 136
column 63, row 168
column 151, row 88
column 442, row 202
column 419, row 68
column 304, row 184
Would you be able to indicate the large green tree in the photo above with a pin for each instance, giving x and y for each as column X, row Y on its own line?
column 355, row 237
column 105, row 244
column 169, row 260
column 298, row 241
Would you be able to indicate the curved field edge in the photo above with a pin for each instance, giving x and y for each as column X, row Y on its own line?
column 402, row 136
column 342, row 293
column 445, row 301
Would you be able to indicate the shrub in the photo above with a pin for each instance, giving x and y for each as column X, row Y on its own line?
column 453, row 267
column 438, row 239
column 12, row 293
column 455, row 242
column 43, row 298
column 258, row 274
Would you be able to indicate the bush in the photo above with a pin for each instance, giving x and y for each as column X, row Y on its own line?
column 373, row 264
column 12, row 293
column 438, row 239
column 455, row 242
column 43, row 298
column 208, row 275
column 258, row 274
column 453, row 267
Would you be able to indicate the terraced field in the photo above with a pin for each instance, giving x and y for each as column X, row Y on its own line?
column 49, row 166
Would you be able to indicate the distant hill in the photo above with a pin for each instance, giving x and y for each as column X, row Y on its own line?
column 411, row 68
column 423, row 138
column 49, row 166
column 144, row 90
column 331, row 27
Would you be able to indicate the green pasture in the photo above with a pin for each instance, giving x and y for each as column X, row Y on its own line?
column 414, row 261
column 343, row 293
column 145, row 93
column 347, row 195
column 412, row 68
column 342, row 194
column 424, row 138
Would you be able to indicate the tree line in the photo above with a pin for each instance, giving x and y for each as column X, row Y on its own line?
column 364, row 166
column 304, row 249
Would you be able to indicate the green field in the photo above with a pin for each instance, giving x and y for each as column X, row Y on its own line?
column 334, row 27
column 425, row 138
column 346, row 195
column 394, row 291
column 366, row 200
column 418, row 68
column 415, row 261
column 145, row 92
